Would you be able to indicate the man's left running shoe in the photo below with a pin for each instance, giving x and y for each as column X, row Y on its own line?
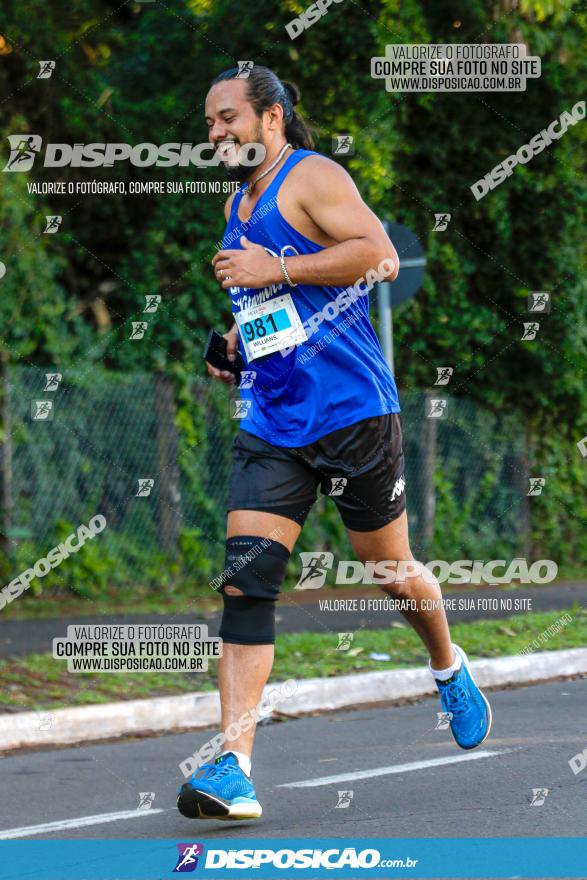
column 219, row 791
column 471, row 712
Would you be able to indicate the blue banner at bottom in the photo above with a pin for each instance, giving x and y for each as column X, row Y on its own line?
column 337, row 858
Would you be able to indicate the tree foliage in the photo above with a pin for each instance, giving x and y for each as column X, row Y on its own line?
column 139, row 72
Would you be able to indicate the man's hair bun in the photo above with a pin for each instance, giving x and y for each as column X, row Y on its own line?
column 293, row 92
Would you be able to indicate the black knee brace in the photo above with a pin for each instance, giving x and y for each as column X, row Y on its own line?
column 256, row 566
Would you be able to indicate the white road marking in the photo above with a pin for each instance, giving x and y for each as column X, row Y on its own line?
column 393, row 768
column 81, row 822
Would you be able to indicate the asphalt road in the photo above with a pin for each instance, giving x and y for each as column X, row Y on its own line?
column 302, row 612
column 381, row 755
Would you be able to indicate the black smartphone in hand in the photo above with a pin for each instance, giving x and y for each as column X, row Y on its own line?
column 215, row 355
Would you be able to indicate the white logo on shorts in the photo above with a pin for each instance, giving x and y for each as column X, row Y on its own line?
column 400, row 485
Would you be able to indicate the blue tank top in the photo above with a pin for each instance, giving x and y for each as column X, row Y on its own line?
column 339, row 375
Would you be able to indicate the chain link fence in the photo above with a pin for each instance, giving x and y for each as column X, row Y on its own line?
column 154, row 461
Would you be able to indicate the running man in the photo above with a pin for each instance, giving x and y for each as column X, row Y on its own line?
column 299, row 249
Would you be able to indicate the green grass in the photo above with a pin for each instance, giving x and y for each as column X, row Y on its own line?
column 38, row 682
column 135, row 600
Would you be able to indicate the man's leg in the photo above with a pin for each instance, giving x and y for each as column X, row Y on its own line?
column 258, row 548
column 468, row 708
column 392, row 543
column 243, row 670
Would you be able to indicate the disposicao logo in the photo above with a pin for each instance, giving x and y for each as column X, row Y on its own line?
column 187, row 859
column 24, row 149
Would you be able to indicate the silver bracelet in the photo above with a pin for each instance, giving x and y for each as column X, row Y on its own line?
column 284, row 270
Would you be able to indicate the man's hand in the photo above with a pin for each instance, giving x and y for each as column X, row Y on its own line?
column 231, row 346
column 251, row 267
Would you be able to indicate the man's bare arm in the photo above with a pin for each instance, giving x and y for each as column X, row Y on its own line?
column 231, row 336
column 228, row 206
column 330, row 198
column 326, row 193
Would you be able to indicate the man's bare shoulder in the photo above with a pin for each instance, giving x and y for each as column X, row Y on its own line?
column 316, row 175
column 317, row 165
column 228, row 205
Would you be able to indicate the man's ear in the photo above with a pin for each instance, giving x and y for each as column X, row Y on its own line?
column 275, row 116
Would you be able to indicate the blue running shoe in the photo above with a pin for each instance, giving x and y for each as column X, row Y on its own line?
column 219, row 791
column 471, row 712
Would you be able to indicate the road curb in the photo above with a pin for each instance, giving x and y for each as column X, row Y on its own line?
column 201, row 710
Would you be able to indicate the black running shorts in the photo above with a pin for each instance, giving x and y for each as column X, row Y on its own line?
column 361, row 467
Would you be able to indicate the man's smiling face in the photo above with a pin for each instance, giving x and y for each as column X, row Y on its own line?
column 232, row 122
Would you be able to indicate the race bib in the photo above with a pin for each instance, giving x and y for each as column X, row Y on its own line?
column 269, row 327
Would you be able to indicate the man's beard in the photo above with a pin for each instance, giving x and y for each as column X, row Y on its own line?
column 236, row 171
